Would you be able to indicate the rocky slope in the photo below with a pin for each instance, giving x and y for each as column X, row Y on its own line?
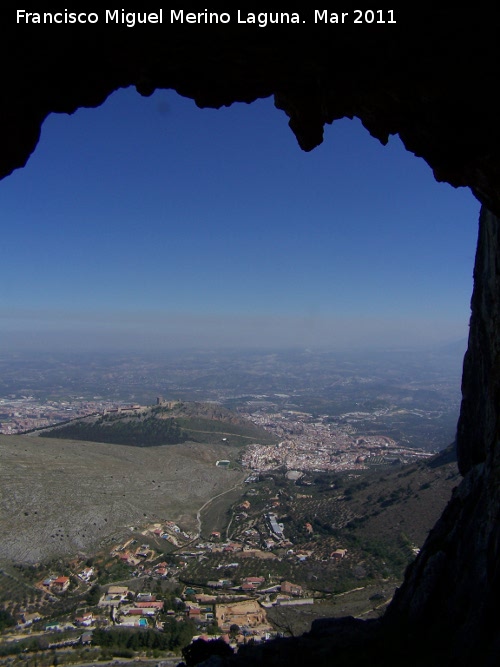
column 61, row 497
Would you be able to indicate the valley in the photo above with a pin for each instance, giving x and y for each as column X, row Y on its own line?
column 288, row 551
column 261, row 510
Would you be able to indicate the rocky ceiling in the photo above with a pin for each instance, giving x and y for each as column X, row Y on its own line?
column 426, row 78
column 430, row 78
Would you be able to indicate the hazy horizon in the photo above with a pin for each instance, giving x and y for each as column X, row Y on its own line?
column 60, row 331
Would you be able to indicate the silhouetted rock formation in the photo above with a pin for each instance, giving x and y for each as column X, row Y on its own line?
column 424, row 78
column 428, row 78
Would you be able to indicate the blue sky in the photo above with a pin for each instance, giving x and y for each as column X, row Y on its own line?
column 150, row 222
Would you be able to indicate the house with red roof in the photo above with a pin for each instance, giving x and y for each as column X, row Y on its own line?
column 150, row 605
column 291, row 589
column 60, row 584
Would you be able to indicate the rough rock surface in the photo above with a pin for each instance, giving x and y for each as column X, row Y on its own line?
column 428, row 79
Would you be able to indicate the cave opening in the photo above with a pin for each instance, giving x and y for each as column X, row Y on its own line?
column 98, row 234
column 426, row 78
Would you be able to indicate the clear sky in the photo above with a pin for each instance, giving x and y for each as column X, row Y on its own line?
column 150, row 222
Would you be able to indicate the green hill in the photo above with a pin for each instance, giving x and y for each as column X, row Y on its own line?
column 381, row 518
column 169, row 424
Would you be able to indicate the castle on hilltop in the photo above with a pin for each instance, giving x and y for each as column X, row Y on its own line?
column 167, row 404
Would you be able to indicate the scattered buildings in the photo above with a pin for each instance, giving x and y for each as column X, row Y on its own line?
column 26, row 412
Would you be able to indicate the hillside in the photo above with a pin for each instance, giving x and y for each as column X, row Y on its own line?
column 167, row 424
column 61, row 497
column 380, row 518
column 386, row 501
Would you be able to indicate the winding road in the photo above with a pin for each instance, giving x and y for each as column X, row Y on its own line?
column 198, row 513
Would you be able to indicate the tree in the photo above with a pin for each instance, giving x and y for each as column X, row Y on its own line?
column 93, row 595
column 213, row 628
column 6, row 619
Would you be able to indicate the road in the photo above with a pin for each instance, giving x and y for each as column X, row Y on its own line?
column 210, row 500
column 234, row 435
column 198, row 513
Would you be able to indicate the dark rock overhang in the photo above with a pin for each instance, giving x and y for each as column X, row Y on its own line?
column 425, row 78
